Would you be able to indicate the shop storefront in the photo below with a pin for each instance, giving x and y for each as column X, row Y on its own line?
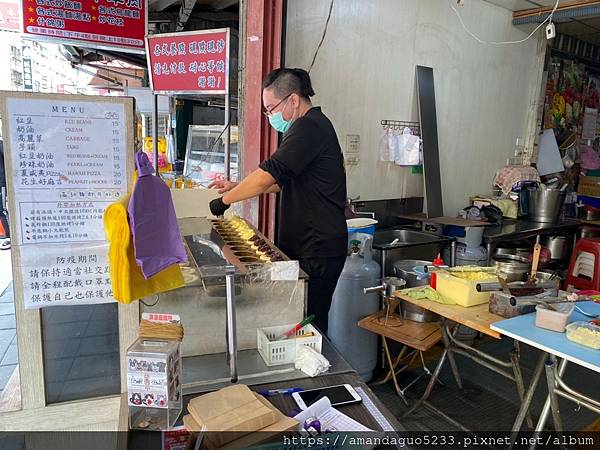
column 469, row 294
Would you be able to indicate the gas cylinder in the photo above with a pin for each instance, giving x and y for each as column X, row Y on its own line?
column 350, row 304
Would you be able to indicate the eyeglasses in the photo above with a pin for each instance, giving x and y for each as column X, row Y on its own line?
column 268, row 112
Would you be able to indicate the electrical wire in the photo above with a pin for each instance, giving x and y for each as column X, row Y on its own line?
column 520, row 41
column 322, row 37
column 153, row 304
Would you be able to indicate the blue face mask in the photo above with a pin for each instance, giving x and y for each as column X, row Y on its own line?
column 279, row 123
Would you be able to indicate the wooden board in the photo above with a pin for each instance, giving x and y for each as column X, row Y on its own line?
column 590, row 222
column 420, row 336
column 477, row 317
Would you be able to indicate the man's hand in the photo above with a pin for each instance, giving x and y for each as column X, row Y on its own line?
column 218, row 207
column 222, row 186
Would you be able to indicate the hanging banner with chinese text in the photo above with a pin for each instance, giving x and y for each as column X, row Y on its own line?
column 195, row 62
column 110, row 24
column 67, row 161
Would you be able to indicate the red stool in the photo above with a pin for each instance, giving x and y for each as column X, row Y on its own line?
column 584, row 268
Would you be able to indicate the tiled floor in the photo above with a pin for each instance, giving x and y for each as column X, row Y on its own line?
column 8, row 339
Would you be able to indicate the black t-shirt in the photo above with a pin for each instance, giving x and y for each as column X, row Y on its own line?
column 309, row 168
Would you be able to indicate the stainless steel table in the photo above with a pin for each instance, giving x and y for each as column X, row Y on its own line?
column 513, row 230
column 211, row 372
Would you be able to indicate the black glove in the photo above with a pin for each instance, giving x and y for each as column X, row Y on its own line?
column 217, row 207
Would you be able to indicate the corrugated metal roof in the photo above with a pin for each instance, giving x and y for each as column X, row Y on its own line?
column 583, row 12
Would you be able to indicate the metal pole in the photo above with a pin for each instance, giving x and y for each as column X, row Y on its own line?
column 445, row 333
column 228, row 136
column 515, row 356
column 432, row 381
column 526, row 402
column 551, row 378
column 231, row 328
column 155, row 133
column 546, row 409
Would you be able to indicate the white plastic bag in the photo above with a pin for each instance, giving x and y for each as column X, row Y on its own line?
column 171, row 149
column 408, row 149
column 384, row 148
column 311, row 362
column 386, row 154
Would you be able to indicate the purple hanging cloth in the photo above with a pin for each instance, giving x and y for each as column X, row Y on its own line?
column 156, row 238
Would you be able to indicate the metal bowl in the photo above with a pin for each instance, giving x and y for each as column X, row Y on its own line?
column 511, row 259
column 511, row 267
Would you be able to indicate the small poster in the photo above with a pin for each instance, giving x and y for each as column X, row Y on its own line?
column 147, row 382
column 193, row 62
column 175, row 438
column 153, row 381
column 55, row 275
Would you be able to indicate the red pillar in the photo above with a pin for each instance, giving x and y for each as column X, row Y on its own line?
column 264, row 26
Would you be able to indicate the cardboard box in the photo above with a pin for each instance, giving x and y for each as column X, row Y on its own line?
column 234, row 409
column 263, row 435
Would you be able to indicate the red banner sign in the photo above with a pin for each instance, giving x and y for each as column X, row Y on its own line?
column 117, row 24
column 192, row 62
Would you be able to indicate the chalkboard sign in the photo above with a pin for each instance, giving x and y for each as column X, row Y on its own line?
column 205, row 153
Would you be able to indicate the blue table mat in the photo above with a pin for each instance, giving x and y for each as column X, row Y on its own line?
column 523, row 329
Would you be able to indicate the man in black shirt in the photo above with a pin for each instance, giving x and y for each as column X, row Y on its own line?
column 308, row 170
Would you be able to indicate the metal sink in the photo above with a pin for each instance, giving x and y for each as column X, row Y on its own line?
column 410, row 244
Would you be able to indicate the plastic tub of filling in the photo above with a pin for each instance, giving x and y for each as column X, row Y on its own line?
column 554, row 320
column 584, row 333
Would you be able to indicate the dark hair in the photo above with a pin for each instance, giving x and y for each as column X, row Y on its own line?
column 288, row 81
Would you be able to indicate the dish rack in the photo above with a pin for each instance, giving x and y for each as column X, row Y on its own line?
column 276, row 353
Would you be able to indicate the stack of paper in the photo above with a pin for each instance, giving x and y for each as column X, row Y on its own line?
column 330, row 417
column 237, row 413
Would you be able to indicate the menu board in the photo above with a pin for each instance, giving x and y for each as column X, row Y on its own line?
column 67, row 161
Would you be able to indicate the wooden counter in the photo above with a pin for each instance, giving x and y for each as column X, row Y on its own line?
column 477, row 317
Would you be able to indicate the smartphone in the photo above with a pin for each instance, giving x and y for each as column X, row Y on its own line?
column 342, row 394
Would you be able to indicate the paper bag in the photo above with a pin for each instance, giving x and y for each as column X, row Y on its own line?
column 269, row 433
column 234, row 410
column 190, row 424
